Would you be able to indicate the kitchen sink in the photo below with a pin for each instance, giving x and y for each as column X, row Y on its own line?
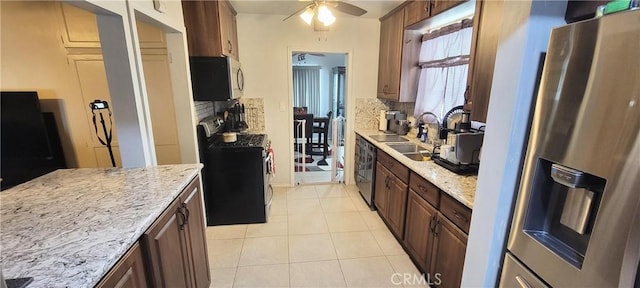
column 418, row 156
column 406, row 147
column 388, row 138
column 411, row 151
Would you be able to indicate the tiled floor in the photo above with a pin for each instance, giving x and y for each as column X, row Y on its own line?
column 317, row 236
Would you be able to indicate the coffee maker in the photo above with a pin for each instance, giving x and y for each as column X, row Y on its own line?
column 390, row 120
column 235, row 118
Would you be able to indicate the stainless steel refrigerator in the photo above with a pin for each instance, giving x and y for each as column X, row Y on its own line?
column 577, row 218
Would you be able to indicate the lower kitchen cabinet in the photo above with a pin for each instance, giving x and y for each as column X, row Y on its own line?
column 418, row 236
column 449, row 248
column 381, row 191
column 431, row 225
column 167, row 250
column 397, row 205
column 128, row 273
column 196, row 236
column 175, row 244
column 391, row 199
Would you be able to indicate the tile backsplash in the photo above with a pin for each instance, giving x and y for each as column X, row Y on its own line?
column 204, row 109
column 254, row 113
column 368, row 111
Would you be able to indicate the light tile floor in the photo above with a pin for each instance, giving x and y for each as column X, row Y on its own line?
column 317, row 236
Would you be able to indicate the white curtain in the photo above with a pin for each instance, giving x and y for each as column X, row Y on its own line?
column 306, row 88
column 444, row 56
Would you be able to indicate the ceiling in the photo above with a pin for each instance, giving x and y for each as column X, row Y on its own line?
column 375, row 9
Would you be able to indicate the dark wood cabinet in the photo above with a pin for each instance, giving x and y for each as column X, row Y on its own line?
column 418, row 236
column 449, row 248
column 397, row 205
column 196, row 237
column 381, row 191
column 211, row 28
column 438, row 6
column 175, row 245
column 486, row 33
column 391, row 199
column 128, row 273
column 435, row 238
column 416, row 11
column 389, row 62
column 167, row 250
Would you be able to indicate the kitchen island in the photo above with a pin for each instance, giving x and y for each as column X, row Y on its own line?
column 70, row 227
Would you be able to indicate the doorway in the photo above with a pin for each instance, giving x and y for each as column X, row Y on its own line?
column 319, row 94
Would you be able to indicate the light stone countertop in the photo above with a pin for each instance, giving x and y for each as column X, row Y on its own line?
column 461, row 188
column 69, row 227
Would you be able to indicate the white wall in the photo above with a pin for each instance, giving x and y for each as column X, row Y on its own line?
column 265, row 46
column 326, row 62
column 525, row 34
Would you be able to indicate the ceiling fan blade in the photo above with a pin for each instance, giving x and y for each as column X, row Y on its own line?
column 348, row 8
column 298, row 12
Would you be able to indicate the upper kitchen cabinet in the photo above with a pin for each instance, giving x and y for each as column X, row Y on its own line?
column 398, row 69
column 416, row 11
column 486, row 31
column 438, row 6
column 211, row 28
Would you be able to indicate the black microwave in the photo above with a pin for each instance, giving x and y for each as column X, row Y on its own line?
column 216, row 78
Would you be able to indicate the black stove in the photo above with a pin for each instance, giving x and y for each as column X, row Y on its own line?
column 244, row 141
column 236, row 175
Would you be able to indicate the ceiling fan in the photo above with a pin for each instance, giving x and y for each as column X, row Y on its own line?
column 303, row 56
column 322, row 10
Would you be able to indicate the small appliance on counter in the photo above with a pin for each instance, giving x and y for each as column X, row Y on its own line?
column 389, row 120
column 235, row 118
column 461, row 153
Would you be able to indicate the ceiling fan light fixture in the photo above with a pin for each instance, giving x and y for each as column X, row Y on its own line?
column 307, row 15
column 324, row 15
column 329, row 20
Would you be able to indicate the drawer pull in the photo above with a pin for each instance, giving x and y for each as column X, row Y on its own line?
column 422, row 188
column 459, row 216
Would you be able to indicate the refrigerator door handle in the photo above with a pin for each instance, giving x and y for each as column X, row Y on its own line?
column 522, row 282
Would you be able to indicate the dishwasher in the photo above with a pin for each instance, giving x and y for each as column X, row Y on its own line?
column 365, row 169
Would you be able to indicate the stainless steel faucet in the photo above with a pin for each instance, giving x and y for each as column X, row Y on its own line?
column 420, row 122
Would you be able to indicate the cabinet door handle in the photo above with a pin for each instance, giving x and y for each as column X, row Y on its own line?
column 183, row 218
column 436, row 229
column 432, row 224
column 459, row 216
column 230, row 46
column 187, row 213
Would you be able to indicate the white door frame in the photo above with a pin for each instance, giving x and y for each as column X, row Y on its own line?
column 350, row 113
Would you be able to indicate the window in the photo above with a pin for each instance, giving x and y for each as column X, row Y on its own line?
column 444, row 58
column 306, row 88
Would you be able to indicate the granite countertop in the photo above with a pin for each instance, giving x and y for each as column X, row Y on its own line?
column 462, row 188
column 69, row 227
